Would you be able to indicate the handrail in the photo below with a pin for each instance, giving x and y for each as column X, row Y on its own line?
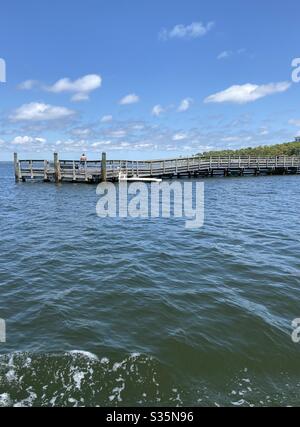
column 168, row 159
column 93, row 170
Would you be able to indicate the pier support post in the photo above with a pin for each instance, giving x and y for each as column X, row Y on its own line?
column 57, row 172
column 17, row 168
column 103, row 168
column 46, row 171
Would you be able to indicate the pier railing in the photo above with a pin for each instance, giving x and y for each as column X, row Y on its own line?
column 101, row 170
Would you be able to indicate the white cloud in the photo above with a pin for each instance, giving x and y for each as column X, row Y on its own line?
column 78, row 97
column 28, row 85
column 107, row 119
column 238, row 138
column 138, row 126
column 225, row 54
column 100, row 144
column 40, row 112
column 81, row 88
column 185, row 105
column 211, row 132
column 23, row 140
column 179, row 136
column 81, row 132
column 120, row 133
column 157, row 110
column 264, row 131
column 192, row 31
column 132, row 98
column 242, row 94
column 294, row 122
column 228, row 53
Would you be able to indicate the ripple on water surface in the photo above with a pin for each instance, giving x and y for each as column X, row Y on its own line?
column 165, row 315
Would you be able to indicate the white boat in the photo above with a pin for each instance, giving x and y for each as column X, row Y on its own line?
column 123, row 177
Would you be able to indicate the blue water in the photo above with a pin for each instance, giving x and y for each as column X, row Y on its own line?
column 144, row 312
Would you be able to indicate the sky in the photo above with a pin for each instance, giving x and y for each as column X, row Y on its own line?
column 145, row 79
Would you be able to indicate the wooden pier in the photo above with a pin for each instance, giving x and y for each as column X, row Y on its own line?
column 96, row 171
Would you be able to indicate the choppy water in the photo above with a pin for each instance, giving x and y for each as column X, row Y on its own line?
column 144, row 312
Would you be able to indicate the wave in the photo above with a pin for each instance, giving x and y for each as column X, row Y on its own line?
column 81, row 378
column 78, row 378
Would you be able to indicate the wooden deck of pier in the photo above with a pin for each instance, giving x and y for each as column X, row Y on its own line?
column 96, row 171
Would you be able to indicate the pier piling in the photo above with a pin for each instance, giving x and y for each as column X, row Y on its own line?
column 17, row 168
column 57, row 173
column 103, row 168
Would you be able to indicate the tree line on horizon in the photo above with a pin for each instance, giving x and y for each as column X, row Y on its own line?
column 285, row 149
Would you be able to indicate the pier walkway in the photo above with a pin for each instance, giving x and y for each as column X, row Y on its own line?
column 96, row 171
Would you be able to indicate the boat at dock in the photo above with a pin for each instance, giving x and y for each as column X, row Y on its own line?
column 124, row 178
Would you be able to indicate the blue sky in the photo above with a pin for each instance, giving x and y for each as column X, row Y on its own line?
column 146, row 79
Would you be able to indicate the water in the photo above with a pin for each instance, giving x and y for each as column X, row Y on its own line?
column 145, row 312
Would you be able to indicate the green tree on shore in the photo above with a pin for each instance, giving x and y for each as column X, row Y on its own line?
column 285, row 149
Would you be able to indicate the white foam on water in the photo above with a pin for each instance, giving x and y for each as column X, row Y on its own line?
column 78, row 377
column 28, row 401
column 239, row 403
column 118, row 365
column 27, row 362
column 117, row 393
column 5, row 400
column 135, row 355
column 85, row 354
column 11, row 376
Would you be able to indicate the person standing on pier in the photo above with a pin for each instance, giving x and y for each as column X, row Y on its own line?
column 83, row 160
